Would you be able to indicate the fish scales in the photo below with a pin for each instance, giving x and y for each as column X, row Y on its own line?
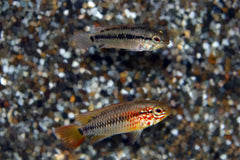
column 135, row 38
column 122, row 34
column 127, row 117
column 117, row 119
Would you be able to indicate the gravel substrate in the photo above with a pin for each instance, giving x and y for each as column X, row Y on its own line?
column 45, row 81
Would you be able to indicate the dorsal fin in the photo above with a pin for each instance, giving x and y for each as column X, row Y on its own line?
column 84, row 118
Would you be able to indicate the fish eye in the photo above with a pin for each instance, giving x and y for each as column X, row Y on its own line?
column 157, row 110
column 156, row 38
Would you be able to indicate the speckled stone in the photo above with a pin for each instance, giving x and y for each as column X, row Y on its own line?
column 45, row 81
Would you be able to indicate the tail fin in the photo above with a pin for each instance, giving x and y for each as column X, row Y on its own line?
column 70, row 136
column 81, row 41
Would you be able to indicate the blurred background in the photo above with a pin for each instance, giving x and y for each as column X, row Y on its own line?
column 44, row 81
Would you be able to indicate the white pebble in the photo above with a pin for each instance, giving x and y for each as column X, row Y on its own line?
column 110, row 83
column 3, row 81
column 238, row 107
column 174, row 132
column 211, row 127
column 16, row 3
column 170, row 44
column 102, row 79
column 225, row 42
column 20, row 101
column 215, row 44
column 223, row 156
column 206, row 47
column 75, row 64
column 95, row 12
column 228, row 142
column 196, row 117
column 82, row 70
column 66, row 12
column 199, row 55
column 218, row 26
column 91, row 4
column 99, row 105
column 61, row 74
column 206, row 117
column 60, row 107
column 196, row 147
column 179, row 117
column 130, row 14
column 64, row 53
column 230, row 102
column 192, row 15
column 238, row 119
column 71, row 115
column 124, row 92
column 40, row 44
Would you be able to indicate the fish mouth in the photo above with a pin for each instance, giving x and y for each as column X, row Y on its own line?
column 168, row 112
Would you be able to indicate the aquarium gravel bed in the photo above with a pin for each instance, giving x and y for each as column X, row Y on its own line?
column 45, row 80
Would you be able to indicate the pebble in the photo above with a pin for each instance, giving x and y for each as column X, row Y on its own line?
column 94, row 12
column 16, row 3
column 75, row 64
column 124, row 92
column 196, row 147
column 66, row 12
column 215, row 44
column 44, row 82
column 64, row 53
column 110, row 83
column 206, row 47
column 223, row 156
column 130, row 14
column 175, row 132
column 3, row 81
column 60, row 107
column 238, row 119
column 71, row 115
column 61, row 74
column 91, row 4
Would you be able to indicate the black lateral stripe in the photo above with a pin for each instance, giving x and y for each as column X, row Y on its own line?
column 120, row 36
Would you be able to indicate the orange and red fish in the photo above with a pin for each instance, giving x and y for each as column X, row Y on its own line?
column 119, row 118
column 129, row 37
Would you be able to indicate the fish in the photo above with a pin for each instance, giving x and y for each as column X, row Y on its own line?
column 129, row 37
column 126, row 117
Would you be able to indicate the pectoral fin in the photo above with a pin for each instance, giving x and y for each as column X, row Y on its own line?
column 134, row 136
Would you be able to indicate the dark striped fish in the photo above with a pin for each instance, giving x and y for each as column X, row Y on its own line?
column 115, row 119
column 134, row 38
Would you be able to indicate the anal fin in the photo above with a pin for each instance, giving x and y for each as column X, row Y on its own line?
column 95, row 139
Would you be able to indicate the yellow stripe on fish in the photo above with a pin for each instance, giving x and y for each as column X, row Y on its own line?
column 133, row 38
column 119, row 118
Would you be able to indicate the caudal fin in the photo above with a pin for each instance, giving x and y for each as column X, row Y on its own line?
column 80, row 40
column 70, row 136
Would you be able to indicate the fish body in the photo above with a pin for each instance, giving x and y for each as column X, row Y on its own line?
column 133, row 38
column 119, row 118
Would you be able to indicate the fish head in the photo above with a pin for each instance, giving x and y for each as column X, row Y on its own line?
column 160, row 111
column 159, row 39
column 154, row 113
